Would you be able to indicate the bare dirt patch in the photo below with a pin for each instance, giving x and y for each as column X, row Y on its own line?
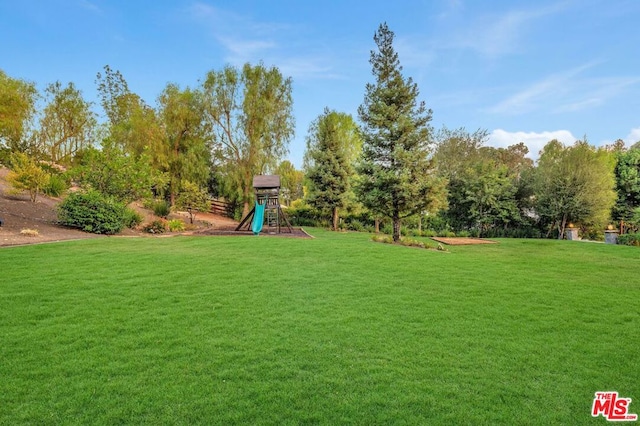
column 295, row 233
column 18, row 213
column 459, row 241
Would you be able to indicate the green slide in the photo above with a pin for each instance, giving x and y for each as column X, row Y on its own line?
column 258, row 218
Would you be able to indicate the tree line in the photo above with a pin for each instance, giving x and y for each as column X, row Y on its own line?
column 391, row 167
column 449, row 180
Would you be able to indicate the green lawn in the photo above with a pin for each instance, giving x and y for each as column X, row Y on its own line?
column 335, row 330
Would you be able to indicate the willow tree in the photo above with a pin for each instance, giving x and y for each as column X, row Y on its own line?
column 332, row 141
column 574, row 184
column 17, row 106
column 251, row 115
column 291, row 181
column 185, row 138
column 68, row 123
column 132, row 124
column 397, row 177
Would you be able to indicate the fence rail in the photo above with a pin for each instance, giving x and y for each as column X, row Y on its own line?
column 219, row 206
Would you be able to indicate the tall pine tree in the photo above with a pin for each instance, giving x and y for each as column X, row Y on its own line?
column 397, row 178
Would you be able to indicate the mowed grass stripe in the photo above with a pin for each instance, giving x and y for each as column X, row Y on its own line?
column 332, row 330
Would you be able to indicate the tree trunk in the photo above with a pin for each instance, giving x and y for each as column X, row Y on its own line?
column 396, row 229
column 172, row 193
column 245, row 208
column 377, row 225
column 335, row 218
column 562, row 226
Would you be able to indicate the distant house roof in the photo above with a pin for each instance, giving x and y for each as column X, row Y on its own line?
column 266, row 181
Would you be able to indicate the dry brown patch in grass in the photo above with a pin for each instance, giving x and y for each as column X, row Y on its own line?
column 459, row 241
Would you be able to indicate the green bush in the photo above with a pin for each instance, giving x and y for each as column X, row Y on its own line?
column 356, row 225
column 446, row 234
column 176, row 225
column 387, row 239
column 56, row 186
column 302, row 216
column 131, row 218
column 92, row 212
column 386, row 228
column 629, row 239
column 161, row 208
column 408, row 242
column 156, row 227
column 414, row 232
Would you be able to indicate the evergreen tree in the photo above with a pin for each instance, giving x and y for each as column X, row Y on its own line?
column 627, row 174
column 397, row 178
column 331, row 138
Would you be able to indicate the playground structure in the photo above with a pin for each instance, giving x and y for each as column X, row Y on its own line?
column 266, row 210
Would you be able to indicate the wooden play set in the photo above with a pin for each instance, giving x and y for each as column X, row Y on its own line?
column 266, row 211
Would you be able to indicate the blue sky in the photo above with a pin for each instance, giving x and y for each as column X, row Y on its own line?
column 525, row 71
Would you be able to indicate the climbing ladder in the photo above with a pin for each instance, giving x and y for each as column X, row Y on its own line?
column 272, row 218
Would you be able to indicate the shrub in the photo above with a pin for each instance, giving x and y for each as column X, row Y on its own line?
column 92, row 212
column 148, row 203
column 386, row 228
column 115, row 173
column 26, row 175
column 356, row 225
column 193, row 199
column 414, row 232
column 446, row 234
column 131, row 218
column 176, row 225
column 56, row 186
column 161, row 208
column 302, row 215
column 156, row 227
column 407, row 242
column 387, row 239
column 629, row 239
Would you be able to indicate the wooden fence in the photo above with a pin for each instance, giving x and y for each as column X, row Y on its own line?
column 220, row 207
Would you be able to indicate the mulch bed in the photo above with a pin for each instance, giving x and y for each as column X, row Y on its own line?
column 296, row 233
column 459, row 241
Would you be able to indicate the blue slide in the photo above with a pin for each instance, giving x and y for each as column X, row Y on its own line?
column 258, row 218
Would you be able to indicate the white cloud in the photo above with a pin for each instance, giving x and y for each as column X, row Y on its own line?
column 247, row 40
column 495, row 35
column 451, row 7
column 90, row 6
column 413, row 54
column 564, row 92
column 539, row 93
column 633, row 137
column 535, row 141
